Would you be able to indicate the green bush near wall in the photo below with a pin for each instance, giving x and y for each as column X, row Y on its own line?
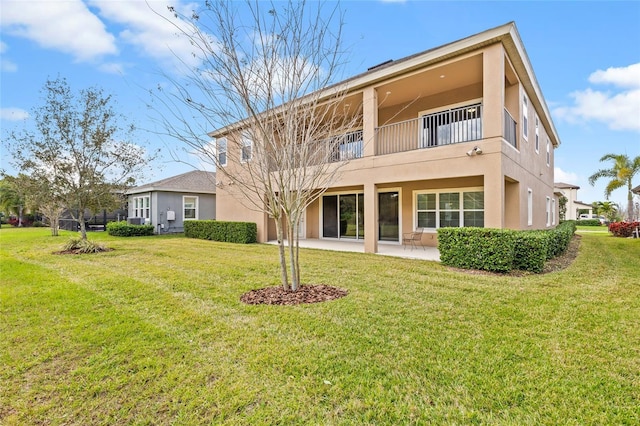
column 215, row 230
column 124, row 229
column 499, row 250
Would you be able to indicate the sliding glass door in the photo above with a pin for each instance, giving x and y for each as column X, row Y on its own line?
column 343, row 216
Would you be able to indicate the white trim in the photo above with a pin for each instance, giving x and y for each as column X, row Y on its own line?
column 226, row 151
column 548, row 210
column 459, row 190
column 525, row 116
column 142, row 211
column 537, row 136
column 529, row 207
column 548, row 153
column 450, row 106
column 197, row 201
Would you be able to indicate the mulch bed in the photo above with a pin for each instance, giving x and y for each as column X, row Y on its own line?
column 304, row 294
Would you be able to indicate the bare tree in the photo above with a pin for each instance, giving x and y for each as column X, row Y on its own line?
column 78, row 150
column 266, row 86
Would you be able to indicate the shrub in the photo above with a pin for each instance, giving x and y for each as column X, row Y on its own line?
column 590, row 222
column 477, row 248
column 531, row 250
column 80, row 246
column 124, row 229
column 499, row 250
column 230, row 232
column 623, row 229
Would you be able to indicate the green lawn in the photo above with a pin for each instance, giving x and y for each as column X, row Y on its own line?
column 153, row 332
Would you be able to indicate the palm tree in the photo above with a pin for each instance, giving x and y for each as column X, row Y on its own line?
column 620, row 174
column 608, row 209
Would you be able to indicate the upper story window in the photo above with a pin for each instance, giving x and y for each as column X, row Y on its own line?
column 221, row 151
column 461, row 124
column 537, row 135
column 457, row 209
column 246, row 149
column 525, row 116
column 548, row 153
column 190, row 207
column 141, row 207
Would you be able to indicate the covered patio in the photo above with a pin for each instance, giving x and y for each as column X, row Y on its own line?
column 395, row 250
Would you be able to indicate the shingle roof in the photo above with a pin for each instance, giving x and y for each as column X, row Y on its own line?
column 565, row 185
column 196, row 181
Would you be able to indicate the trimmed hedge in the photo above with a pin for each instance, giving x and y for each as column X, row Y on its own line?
column 590, row 222
column 215, row 230
column 502, row 250
column 124, row 229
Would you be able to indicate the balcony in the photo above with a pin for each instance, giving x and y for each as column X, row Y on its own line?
column 453, row 126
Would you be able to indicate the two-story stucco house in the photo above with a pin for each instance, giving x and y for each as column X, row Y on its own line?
column 463, row 138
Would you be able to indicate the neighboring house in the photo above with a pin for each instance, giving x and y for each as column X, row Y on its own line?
column 463, row 138
column 167, row 203
column 573, row 205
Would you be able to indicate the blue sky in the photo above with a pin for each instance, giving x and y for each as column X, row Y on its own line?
column 586, row 57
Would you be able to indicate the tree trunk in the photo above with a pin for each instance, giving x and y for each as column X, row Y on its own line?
column 19, row 216
column 295, row 276
column 283, row 262
column 83, row 228
column 630, row 205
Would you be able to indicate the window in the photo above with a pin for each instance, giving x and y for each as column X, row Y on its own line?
column 553, row 211
column 190, row 206
column 548, row 211
column 548, row 153
column 246, row 150
column 454, row 125
column 449, row 209
column 222, row 151
column 529, row 207
column 525, row 117
column 537, row 136
column 141, row 207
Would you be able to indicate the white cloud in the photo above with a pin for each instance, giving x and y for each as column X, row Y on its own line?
column 149, row 27
column 5, row 64
column 619, row 110
column 67, row 26
column 112, row 68
column 565, row 177
column 623, row 77
column 13, row 114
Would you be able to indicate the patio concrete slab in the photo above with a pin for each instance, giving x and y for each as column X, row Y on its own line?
column 394, row 250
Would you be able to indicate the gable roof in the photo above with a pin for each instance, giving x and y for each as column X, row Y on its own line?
column 563, row 185
column 196, row 181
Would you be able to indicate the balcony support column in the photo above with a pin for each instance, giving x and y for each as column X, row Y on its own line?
column 369, row 121
column 370, row 218
column 493, row 91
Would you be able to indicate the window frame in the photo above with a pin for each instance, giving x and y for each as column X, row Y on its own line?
column 548, row 153
column 438, row 211
column 142, row 207
column 525, row 117
column 246, row 143
column 537, row 144
column 220, row 152
column 195, row 207
column 529, row 207
column 548, row 208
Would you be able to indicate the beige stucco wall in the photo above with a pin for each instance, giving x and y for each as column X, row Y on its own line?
column 505, row 173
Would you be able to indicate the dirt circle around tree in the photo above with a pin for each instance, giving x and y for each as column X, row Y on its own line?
column 309, row 293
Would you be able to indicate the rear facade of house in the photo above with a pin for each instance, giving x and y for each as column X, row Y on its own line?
column 459, row 135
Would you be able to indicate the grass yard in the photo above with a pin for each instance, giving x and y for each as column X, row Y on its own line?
column 153, row 332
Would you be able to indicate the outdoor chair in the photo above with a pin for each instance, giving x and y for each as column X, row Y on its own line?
column 413, row 239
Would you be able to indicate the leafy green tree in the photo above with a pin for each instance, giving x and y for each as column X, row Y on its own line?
column 607, row 209
column 13, row 197
column 79, row 150
column 562, row 207
column 620, row 174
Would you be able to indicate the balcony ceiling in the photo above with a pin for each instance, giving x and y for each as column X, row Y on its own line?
column 420, row 84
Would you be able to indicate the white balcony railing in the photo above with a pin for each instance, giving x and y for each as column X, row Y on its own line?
column 456, row 125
